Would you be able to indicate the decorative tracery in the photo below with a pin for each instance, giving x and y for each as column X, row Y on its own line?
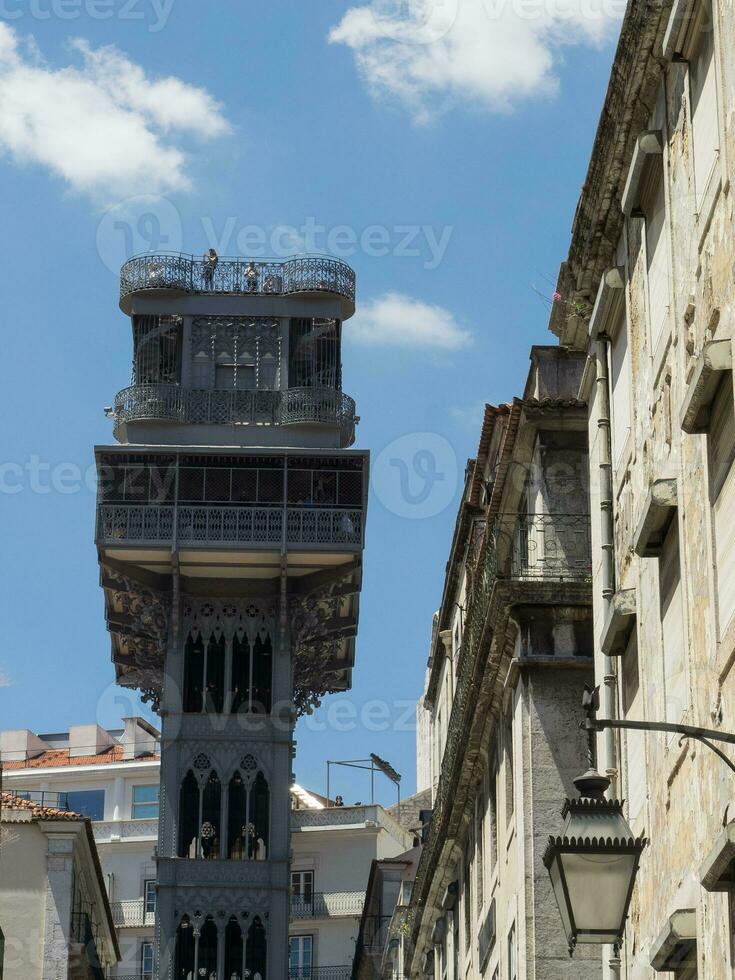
column 228, row 657
column 241, row 353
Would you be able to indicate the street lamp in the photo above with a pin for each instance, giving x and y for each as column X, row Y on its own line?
column 593, row 864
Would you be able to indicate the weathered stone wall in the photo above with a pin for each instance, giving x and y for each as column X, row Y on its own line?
column 688, row 788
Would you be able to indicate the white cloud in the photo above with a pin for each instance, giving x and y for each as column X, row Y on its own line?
column 102, row 125
column 394, row 320
column 429, row 54
column 5, row 681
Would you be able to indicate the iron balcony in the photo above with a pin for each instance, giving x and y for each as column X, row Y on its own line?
column 300, row 275
column 293, row 406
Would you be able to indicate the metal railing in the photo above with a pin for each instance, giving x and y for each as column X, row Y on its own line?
column 174, row 403
column 320, row 973
column 131, row 914
column 322, row 905
column 203, row 525
column 54, row 801
column 83, row 934
column 189, row 273
column 543, row 546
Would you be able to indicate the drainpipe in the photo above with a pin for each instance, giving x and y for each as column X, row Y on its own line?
column 607, row 544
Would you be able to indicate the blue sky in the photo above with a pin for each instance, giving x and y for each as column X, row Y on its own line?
column 447, row 121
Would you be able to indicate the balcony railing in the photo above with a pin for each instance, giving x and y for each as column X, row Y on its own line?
column 153, row 524
column 320, row 973
column 188, row 273
column 83, row 937
column 174, row 403
column 131, row 914
column 322, row 905
column 543, row 546
column 54, row 801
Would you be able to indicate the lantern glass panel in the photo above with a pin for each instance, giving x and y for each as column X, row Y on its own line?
column 598, row 887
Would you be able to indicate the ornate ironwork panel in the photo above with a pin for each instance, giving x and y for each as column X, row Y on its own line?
column 239, row 276
column 173, row 403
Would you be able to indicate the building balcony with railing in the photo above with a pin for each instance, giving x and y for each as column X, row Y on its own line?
column 327, row 905
column 174, row 403
column 260, row 501
column 299, row 276
column 235, row 370
column 133, row 914
column 554, row 547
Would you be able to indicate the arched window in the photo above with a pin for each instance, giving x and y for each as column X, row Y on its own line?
column 184, row 965
column 248, row 813
column 241, row 673
column 188, row 816
column 207, row 958
column 262, row 675
column 256, row 950
column 193, row 675
column 252, row 671
column 211, row 810
column 214, row 701
column 237, row 828
column 200, row 815
column 259, row 815
column 234, row 950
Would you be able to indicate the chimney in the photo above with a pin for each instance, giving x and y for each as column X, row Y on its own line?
column 139, row 739
column 20, row 745
column 88, row 740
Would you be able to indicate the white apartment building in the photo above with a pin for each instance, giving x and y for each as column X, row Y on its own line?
column 55, row 918
column 113, row 778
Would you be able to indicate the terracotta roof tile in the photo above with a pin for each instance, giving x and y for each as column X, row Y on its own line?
column 61, row 757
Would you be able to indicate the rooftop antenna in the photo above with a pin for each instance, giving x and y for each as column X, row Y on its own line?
column 372, row 765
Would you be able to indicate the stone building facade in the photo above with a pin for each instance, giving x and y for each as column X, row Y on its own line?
column 510, row 654
column 648, row 293
column 55, row 915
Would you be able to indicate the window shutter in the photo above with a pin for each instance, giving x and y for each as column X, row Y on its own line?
column 703, row 94
column 721, row 451
column 672, row 626
column 621, row 389
column 657, row 253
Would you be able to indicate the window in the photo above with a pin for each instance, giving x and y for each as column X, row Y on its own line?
column 509, row 779
column 467, row 902
column 149, row 896
column 240, row 376
column 145, row 802
column 157, row 346
column 721, row 453
column 703, row 96
column 634, row 746
column 620, row 387
column 146, row 961
column 302, row 888
column 300, row 957
column 87, row 802
column 512, row 954
column 492, row 814
column 480, row 805
column 653, row 202
column 314, row 354
column 672, row 626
